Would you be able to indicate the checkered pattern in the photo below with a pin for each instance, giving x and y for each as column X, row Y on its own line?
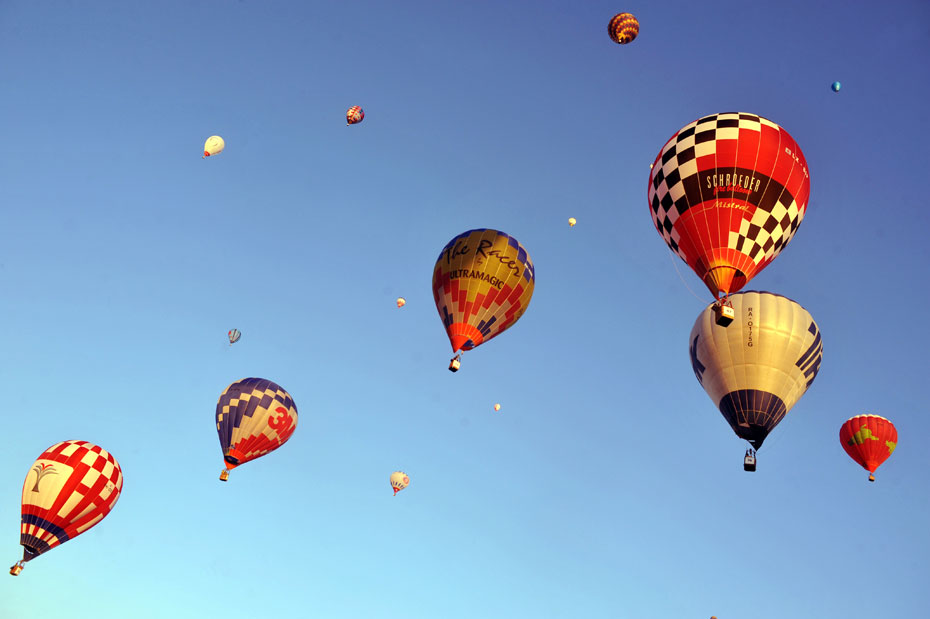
column 623, row 28
column 472, row 309
column 354, row 115
column 730, row 181
column 71, row 487
column 253, row 417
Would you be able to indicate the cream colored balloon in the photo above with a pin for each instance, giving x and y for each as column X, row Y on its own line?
column 572, row 222
column 401, row 301
column 399, row 481
column 214, row 144
column 756, row 369
column 497, row 407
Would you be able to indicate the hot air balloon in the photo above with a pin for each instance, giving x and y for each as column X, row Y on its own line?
column 482, row 283
column 836, row 86
column 869, row 440
column 755, row 370
column 727, row 193
column 234, row 336
column 623, row 28
column 571, row 222
column 401, row 301
column 399, row 481
column 213, row 145
column 497, row 407
column 71, row 487
column 253, row 417
column 354, row 115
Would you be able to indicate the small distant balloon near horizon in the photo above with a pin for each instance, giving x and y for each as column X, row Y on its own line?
column 214, row 145
column 401, row 301
column 234, row 335
column 399, row 481
column 497, row 407
column 571, row 222
column 623, row 28
column 836, row 86
column 354, row 115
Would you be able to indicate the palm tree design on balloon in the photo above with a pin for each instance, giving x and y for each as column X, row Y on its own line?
column 41, row 471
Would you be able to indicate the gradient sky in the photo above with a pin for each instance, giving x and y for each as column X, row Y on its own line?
column 608, row 485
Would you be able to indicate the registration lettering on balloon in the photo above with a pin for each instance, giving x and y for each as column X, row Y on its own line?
column 749, row 324
column 797, row 160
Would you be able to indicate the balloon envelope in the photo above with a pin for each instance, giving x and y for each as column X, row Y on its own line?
column 836, row 86
column 399, row 481
column 234, row 335
column 401, row 301
column 869, row 440
column 213, row 145
column 483, row 281
column 254, row 416
column 572, row 222
column 727, row 193
column 70, row 488
column 354, row 115
column 623, row 28
column 756, row 369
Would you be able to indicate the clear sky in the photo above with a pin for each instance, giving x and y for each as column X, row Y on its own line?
column 608, row 485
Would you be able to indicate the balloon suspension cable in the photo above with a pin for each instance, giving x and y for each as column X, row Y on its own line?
column 17, row 568
column 675, row 264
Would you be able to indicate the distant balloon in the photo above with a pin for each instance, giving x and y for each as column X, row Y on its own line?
column 71, row 487
column 623, row 28
column 497, row 407
column 234, row 336
column 571, row 222
column 401, row 301
column 756, row 369
column 399, row 481
column 869, row 440
column 727, row 194
column 254, row 416
column 354, row 115
column 483, row 281
column 213, row 145
column 836, row 86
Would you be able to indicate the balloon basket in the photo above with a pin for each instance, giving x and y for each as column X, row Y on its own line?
column 724, row 313
column 749, row 463
column 224, row 476
column 871, row 477
column 16, row 569
column 455, row 364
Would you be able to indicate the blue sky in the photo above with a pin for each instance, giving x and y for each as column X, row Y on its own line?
column 608, row 485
